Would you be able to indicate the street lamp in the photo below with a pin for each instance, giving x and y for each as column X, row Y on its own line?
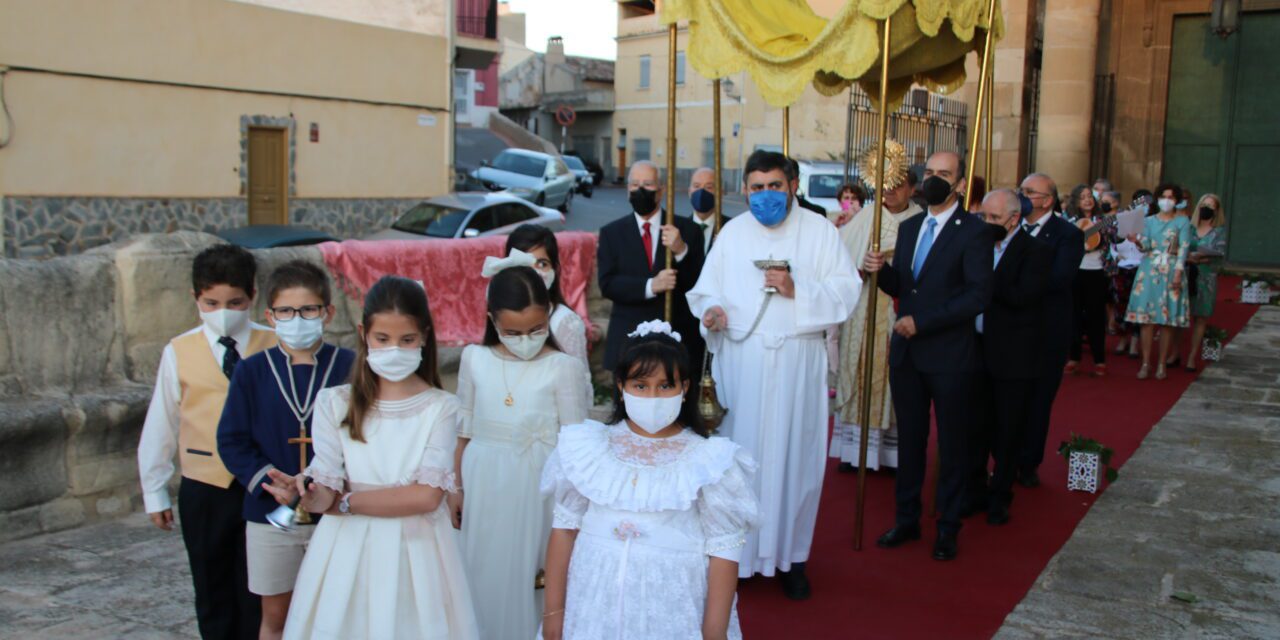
column 1225, row 17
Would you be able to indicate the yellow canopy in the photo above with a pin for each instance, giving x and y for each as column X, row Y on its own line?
column 783, row 44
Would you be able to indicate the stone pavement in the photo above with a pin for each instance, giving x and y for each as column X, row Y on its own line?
column 1197, row 511
column 1195, row 514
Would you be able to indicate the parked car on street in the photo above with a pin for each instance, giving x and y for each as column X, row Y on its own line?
column 586, row 184
column 540, row 178
column 597, row 171
column 821, row 181
column 468, row 215
column 267, row 236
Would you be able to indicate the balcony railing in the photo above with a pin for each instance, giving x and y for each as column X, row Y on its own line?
column 478, row 18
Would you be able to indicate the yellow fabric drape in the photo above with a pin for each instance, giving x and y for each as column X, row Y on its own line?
column 784, row 45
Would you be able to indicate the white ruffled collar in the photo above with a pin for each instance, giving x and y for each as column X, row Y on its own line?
column 594, row 468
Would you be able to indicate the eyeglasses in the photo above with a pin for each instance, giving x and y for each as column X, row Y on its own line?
column 1031, row 193
column 308, row 312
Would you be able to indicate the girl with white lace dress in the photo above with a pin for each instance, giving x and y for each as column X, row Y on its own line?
column 515, row 389
column 383, row 562
column 650, row 512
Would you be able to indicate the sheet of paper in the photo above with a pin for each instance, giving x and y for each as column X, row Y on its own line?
column 1130, row 222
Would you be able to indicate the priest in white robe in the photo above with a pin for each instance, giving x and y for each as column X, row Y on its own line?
column 773, row 377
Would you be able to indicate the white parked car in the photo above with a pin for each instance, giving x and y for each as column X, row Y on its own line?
column 469, row 215
column 540, row 178
column 821, row 181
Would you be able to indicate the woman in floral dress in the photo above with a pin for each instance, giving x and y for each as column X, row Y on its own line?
column 1159, row 294
column 1208, row 247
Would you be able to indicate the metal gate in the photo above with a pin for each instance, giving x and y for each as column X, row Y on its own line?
column 925, row 123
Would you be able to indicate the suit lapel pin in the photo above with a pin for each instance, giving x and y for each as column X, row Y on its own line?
column 957, row 223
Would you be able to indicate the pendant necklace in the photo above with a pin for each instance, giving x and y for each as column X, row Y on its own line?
column 509, row 401
column 302, row 411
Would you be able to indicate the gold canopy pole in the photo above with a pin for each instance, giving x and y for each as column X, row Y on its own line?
column 991, row 121
column 984, row 76
column 869, row 326
column 670, row 218
column 715, row 132
column 786, row 131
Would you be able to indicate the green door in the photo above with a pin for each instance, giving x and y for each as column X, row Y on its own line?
column 1222, row 131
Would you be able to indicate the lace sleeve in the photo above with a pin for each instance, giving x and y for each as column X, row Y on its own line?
column 570, row 333
column 729, row 509
column 327, row 466
column 570, row 505
column 437, row 459
column 572, row 401
column 466, row 392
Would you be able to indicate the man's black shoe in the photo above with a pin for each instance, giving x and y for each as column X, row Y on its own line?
column 1029, row 479
column 794, row 583
column 899, row 535
column 846, row 467
column 945, row 547
column 973, row 507
column 998, row 514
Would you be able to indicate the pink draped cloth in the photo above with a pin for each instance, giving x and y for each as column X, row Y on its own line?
column 450, row 272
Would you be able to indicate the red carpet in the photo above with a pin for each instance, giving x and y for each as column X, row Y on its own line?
column 904, row 593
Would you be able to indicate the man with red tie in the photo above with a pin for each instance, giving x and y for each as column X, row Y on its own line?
column 632, row 265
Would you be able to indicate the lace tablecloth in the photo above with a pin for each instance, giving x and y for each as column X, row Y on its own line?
column 450, row 271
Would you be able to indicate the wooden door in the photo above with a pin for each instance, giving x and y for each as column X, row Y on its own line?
column 1221, row 132
column 268, row 176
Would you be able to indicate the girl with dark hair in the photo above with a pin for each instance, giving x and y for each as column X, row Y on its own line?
column 1089, row 290
column 567, row 327
column 851, row 198
column 1159, row 295
column 383, row 458
column 516, row 390
column 651, row 513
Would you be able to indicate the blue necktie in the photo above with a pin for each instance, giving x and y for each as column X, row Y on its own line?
column 922, row 251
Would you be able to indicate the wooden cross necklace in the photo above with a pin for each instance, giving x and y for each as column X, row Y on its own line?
column 301, row 410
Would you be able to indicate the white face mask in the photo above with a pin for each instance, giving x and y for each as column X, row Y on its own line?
column 1166, row 204
column 394, row 363
column 652, row 414
column 548, row 277
column 226, row 322
column 525, row 347
column 299, row 332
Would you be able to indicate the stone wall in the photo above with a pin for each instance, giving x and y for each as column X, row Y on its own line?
column 80, row 341
column 42, row 227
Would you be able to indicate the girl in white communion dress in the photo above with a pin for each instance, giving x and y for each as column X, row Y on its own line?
column 650, row 511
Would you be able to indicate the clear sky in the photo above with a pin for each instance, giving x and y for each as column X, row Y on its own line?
column 587, row 26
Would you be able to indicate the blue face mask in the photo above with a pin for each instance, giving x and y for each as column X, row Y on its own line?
column 702, row 200
column 769, row 207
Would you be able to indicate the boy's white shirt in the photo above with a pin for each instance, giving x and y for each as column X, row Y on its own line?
column 159, row 442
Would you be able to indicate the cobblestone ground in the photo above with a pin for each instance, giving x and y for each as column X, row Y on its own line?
column 1187, row 543
column 1196, row 515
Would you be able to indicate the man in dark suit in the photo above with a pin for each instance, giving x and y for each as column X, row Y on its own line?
column 702, row 197
column 631, row 265
column 941, row 276
column 1067, row 243
column 1009, row 331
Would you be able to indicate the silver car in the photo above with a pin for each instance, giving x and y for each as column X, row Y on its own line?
column 538, row 177
column 469, row 215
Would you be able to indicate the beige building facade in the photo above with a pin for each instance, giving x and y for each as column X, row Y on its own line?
column 159, row 115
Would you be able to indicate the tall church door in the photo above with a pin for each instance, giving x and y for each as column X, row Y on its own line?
column 268, row 176
column 1222, row 134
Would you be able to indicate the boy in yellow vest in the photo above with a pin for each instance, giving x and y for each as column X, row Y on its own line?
column 191, row 388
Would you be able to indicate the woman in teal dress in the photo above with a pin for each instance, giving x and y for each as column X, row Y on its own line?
column 1208, row 248
column 1159, row 294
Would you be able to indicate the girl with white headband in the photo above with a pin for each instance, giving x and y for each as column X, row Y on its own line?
column 651, row 512
column 515, row 391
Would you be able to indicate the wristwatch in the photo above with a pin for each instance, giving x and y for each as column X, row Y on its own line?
column 344, row 504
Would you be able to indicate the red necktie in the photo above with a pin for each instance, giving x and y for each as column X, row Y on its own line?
column 648, row 245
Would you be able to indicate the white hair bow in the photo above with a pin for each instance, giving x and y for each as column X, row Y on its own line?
column 654, row 326
column 494, row 265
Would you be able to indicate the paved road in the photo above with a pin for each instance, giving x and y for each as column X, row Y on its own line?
column 608, row 203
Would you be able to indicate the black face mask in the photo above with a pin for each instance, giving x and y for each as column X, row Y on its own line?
column 1104, row 207
column 643, row 201
column 936, row 190
column 998, row 232
column 1206, row 213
